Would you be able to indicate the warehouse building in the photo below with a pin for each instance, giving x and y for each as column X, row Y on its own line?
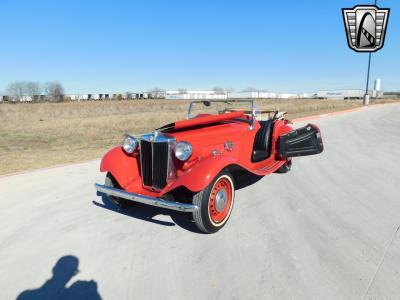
column 287, row 96
column 194, row 95
column 120, row 96
column 267, row 95
column 252, row 95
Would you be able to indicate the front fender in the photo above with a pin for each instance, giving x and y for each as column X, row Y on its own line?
column 124, row 168
column 199, row 176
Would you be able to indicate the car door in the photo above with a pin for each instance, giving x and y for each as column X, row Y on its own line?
column 303, row 141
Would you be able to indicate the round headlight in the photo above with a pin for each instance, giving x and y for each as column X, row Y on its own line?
column 183, row 150
column 130, row 144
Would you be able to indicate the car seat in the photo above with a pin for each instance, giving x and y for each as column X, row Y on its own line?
column 262, row 141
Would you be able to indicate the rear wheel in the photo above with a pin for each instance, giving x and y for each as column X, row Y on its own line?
column 120, row 202
column 215, row 203
column 285, row 167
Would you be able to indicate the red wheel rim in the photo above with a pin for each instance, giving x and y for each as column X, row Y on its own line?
column 218, row 208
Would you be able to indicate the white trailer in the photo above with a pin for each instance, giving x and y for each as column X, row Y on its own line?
column 340, row 94
column 85, row 97
column 73, row 97
column 26, row 99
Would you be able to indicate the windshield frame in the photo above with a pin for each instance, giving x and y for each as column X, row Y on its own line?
column 192, row 103
column 251, row 102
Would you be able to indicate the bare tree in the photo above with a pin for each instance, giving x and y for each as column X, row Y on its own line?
column 19, row 89
column 33, row 89
column 157, row 93
column 54, row 91
column 16, row 90
column 127, row 96
column 218, row 90
column 250, row 89
column 182, row 90
column 229, row 91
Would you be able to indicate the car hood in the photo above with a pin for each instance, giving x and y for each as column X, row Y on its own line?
column 210, row 134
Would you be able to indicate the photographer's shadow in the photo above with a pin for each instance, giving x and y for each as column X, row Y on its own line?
column 55, row 287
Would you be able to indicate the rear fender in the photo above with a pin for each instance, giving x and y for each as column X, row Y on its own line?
column 281, row 127
column 123, row 167
column 201, row 174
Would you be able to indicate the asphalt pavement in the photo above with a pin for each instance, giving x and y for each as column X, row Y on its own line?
column 329, row 229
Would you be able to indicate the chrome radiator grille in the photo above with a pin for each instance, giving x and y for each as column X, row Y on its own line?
column 146, row 162
column 157, row 164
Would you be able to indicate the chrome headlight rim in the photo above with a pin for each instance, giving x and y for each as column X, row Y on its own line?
column 183, row 150
column 130, row 144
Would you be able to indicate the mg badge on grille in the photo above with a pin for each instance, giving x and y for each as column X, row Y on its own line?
column 365, row 27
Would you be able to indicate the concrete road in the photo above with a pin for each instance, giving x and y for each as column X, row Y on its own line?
column 327, row 230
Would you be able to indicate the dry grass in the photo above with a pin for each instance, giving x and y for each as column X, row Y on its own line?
column 45, row 134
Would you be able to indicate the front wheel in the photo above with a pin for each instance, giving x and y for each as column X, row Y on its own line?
column 215, row 203
column 119, row 202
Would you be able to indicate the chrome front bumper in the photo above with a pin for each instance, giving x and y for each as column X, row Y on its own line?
column 185, row 207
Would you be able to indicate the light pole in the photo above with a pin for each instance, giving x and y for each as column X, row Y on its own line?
column 366, row 96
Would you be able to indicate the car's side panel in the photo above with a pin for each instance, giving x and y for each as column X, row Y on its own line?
column 199, row 176
column 204, row 171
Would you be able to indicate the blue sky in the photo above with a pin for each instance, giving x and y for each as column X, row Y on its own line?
column 117, row 46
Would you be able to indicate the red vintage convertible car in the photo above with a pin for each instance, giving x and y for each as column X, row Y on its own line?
column 193, row 165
